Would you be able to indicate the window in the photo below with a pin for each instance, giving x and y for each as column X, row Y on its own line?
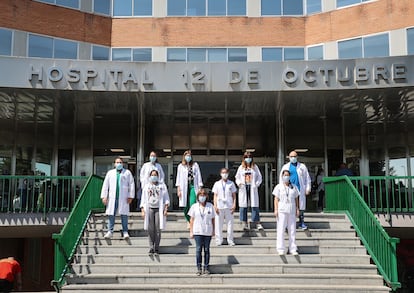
column 237, row 55
column 282, row 7
column 176, row 7
column 122, row 7
column 217, row 55
column 65, row 49
column 68, row 3
column 121, row 54
column 6, row 42
column 376, row 46
column 142, row 54
column 40, row 46
column 294, row 54
column 102, row 6
column 342, row 3
column 196, row 7
column 315, row 53
column 366, row 47
column 143, row 7
column 176, row 54
column 313, row 6
column 196, row 55
column 410, row 41
column 100, row 53
column 272, row 54
column 236, row 7
column 350, row 49
column 216, row 7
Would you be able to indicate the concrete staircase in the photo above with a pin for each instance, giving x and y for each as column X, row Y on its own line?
column 331, row 259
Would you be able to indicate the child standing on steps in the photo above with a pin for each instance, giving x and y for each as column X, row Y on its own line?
column 202, row 229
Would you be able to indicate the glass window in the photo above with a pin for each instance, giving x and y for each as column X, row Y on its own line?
column 271, row 7
column 68, row 3
column 272, row 54
column 142, row 54
column 196, row 55
column 176, row 54
column 376, row 46
column 217, row 55
column 5, row 42
column 122, row 7
column 216, row 7
column 236, row 7
column 342, row 3
column 196, row 7
column 294, row 54
column 66, row 49
column 121, row 54
column 143, row 7
column 237, row 55
column 47, row 1
column 292, row 7
column 40, row 46
column 350, row 49
column 102, row 6
column 176, row 7
column 313, row 6
column 100, row 53
column 315, row 53
column 410, row 41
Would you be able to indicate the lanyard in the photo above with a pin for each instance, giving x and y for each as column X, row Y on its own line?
column 287, row 193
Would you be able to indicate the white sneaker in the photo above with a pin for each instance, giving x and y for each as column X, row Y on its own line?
column 218, row 243
column 259, row 227
column 281, row 252
column 294, row 253
column 231, row 243
column 108, row 235
column 126, row 235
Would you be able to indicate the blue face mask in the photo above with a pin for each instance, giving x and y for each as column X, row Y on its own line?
column 286, row 179
column 153, row 159
column 188, row 159
column 154, row 178
column 202, row 198
column 119, row 166
column 248, row 160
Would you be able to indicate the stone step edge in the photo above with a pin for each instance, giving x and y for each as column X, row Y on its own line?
column 220, row 255
column 247, row 265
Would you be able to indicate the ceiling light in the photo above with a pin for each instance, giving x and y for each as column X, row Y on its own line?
column 301, row 150
column 117, row 150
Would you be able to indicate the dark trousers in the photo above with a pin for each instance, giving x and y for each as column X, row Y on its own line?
column 202, row 242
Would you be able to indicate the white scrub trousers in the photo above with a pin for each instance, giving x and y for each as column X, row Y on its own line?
column 224, row 214
column 289, row 221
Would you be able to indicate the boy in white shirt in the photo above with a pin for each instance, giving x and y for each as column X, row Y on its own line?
column 224, row 204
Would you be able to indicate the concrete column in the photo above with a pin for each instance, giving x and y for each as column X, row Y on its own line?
column 254, row 8
column 141, row 132
column 159, row 8
column 280, row 135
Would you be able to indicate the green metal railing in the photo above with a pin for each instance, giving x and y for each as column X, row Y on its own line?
column 386, row 194
column 342, row 196
column 67, row 240
column 34, row 194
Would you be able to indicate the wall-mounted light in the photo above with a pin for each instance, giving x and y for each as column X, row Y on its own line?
column 250, row 150
column 117, row 150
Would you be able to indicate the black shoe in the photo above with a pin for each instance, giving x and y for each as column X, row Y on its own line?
column 151, row 252
column 156, row 252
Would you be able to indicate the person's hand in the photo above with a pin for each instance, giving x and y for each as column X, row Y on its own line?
column 179, row 193
column 276, row 213
column 165, row 211
column 233, row 208
column 129, row 200
column 297, row 212
column 191, row 235
column 217, row 210
column 143, row 213
column 105, row 201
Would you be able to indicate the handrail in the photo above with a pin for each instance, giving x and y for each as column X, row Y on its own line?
column 68, row 239
column 342, row 196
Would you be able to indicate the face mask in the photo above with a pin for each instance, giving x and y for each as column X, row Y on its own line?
column 285, row 179
column 248, row 160
column 293, row 160
column 202, row 198
column 188, row 159
column 119, row 166
column 153, row 159
column 154, row 178
column 224, row 175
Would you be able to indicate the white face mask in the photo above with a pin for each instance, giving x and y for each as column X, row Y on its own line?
column 202, row 198
column 224, row 175
column 119, row 166
column 248, row 160
column 154, row 178
column 293, row 160
column 153, row 159
column 286, row 178
column 188, row 159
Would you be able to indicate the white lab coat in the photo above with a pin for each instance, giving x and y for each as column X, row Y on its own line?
column 255, row 183
column 164, row 200
column 126, row 190
column 146, row 170
column 305, row 182
column 182, row 181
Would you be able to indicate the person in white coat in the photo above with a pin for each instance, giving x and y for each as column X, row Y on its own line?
column 299, row 176
column 118, row 191
column 224, row 204
column 144, row 175
column 286, row 205
column 188, row 182
column 154, row 207
column 248, row 179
